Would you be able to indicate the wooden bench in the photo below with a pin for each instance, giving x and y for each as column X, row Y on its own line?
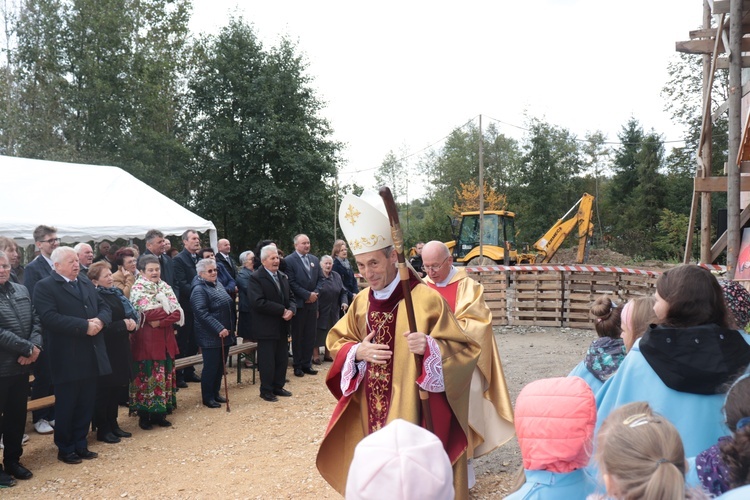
column 243, row 351
column 39, row 403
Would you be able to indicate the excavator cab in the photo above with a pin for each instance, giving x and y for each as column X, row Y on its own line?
column 499, row 227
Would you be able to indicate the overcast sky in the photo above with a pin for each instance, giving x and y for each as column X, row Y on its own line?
column 402, row 75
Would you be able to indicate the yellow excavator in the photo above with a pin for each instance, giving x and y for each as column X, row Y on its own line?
column 498, row 237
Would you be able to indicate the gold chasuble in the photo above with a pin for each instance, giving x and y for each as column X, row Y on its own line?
column 490, row 409
column 389, row 391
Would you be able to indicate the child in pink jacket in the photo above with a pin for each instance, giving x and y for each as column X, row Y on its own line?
column 555, row 420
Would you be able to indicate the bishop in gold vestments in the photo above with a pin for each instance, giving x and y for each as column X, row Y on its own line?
column 374, row 374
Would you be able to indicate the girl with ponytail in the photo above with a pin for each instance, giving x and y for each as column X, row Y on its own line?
column 640, row 456
column 605, row 354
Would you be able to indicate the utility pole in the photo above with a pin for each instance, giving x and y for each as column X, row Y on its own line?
column 481, row 191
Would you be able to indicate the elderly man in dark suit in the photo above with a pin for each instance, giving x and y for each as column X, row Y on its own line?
column 184, row 273
column 273, row 306
column 155, row 246
column 305, row 280
column 72, row 315
column 46, row 240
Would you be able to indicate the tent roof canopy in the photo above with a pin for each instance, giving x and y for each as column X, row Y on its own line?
column 86, row 202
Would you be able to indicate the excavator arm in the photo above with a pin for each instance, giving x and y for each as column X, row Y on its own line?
column 550, row 243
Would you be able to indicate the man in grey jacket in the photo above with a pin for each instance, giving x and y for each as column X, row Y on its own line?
column 20, row 343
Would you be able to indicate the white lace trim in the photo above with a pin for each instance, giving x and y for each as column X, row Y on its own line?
column 433, row 369
column 350, row 370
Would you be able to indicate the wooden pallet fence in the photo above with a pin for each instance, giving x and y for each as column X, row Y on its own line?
column 555, row 298
column 495, row 295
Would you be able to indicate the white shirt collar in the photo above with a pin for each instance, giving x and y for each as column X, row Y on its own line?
column 448, row 279
column 387, row 291
column 49, row 261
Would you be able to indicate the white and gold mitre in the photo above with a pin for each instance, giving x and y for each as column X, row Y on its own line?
column 364, row 223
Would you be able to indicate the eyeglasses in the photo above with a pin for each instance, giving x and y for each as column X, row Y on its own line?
column 5, row 266
column 435, row 268
column 51, row 241
column 211, row 271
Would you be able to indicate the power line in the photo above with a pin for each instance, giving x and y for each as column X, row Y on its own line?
column 609, row 143
column 612, row 143
column 421, row 150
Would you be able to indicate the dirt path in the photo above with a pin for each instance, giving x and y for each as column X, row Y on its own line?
column 259, row 449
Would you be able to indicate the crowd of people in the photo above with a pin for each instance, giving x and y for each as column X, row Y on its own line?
column 658, row 408
column 104, row 331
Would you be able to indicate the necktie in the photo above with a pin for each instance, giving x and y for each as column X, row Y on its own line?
column 276, row 282
column 77, row 288
column 307, row 265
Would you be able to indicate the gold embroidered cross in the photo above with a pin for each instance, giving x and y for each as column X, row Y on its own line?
column 352, row 214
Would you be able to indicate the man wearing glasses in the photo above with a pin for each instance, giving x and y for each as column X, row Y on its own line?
column 490, row 410
column 46, row 240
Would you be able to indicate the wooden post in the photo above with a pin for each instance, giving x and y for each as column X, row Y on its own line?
column 735, row 133
column 707, row 149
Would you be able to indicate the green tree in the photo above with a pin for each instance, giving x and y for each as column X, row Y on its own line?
column 550, row 181
column 393, row 173
column 669, row 240
column 38, row 62
column 264, row 162
column 99, row 82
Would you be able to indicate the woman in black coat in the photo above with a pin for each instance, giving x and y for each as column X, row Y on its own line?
column 331, row 302
column 213, row 327
column 243, row 282
column 342, row 266
column 113, row 388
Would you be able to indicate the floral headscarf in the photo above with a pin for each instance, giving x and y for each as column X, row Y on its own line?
column 738, row 301
column 146, row 295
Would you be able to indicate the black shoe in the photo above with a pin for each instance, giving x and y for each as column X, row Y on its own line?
column 317, row 362
column 6, row 481
column 211, row 404
column 87, row 454
column 298, row 373
column 121, row 433
column 69, row 458
column 220, row 399
column 181, row 384
column 160, row 419
column 268, row 397
column 17, row 470
column 192, row 377
column 309, row 371
column 107, row 438
column 144, row 422
column 282, row 392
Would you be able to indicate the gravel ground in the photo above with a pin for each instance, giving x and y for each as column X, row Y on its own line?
column 260, row 449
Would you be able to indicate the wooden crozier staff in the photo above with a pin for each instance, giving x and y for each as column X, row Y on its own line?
column 403, row 274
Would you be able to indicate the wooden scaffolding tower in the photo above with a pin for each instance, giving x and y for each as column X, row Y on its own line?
column 724, row 46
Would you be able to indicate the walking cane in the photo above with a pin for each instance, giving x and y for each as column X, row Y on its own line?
column 403, row 273
column 224, row 366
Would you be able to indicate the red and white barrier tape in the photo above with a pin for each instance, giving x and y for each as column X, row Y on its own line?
column 579, row 268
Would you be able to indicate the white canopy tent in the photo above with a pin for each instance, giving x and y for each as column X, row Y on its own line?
column 86, row 202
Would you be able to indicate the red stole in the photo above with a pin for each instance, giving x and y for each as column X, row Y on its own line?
column 449, row 293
